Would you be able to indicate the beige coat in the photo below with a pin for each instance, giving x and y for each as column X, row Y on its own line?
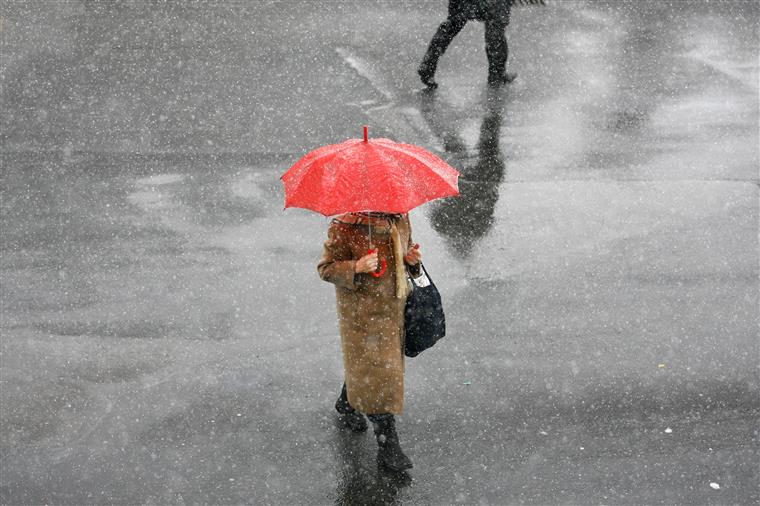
column 370, row 310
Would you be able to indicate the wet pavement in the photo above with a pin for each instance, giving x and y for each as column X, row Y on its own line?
column 165, row 337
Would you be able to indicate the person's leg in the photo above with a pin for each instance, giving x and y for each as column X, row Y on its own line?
column 438, row 44
column 389, row 449
column 497, row 52
column 349, row 417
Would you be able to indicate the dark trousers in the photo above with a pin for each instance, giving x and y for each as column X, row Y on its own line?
column 496, row 44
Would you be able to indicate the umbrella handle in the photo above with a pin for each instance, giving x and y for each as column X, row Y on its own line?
column 383, row 266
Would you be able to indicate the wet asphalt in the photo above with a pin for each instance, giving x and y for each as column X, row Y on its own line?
column 165, row 337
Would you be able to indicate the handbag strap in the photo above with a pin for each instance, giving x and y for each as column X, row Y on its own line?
column 411, row 278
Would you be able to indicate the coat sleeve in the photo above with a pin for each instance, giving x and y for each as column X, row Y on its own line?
column 337, row 263
column 414, row 270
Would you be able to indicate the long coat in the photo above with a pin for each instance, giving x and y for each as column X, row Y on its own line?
column 370, row 310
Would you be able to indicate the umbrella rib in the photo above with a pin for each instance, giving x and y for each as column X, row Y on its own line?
column 304, row 171
column 332, row 154
column 304, row 175
column 404, row 171
column 428, row 159
column 411, row 153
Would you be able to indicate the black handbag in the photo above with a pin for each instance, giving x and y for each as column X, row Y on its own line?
column 424, row 321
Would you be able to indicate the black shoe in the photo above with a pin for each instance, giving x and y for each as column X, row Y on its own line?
column 500, row 79
column 389, row 453
column 348, row 417
column 427, row 79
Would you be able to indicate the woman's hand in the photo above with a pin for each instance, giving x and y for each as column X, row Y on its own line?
column 367, row 263
column 413, row 256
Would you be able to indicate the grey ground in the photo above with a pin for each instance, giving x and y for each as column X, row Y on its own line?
column 165, row 337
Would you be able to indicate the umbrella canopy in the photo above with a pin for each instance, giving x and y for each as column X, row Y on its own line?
column 377, row 175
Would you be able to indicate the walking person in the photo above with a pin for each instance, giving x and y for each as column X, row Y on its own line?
column 495, row 14
column 371, row 320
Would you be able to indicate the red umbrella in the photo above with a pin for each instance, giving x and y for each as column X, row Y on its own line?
column 368, row 175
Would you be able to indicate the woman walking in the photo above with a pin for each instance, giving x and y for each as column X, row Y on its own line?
column 371, row 320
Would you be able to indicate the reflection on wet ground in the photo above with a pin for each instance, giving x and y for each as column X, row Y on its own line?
column 82, row 231
column 464, row 220
column 360, row 480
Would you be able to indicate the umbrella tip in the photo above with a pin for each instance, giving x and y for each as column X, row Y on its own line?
column 365, row 133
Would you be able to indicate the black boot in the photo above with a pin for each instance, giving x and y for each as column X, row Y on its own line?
column 500, row 78
column 348, row 417
column 389, row 452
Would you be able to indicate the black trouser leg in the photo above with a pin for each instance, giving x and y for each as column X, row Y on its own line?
column 497, row 50
column 438, row 44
